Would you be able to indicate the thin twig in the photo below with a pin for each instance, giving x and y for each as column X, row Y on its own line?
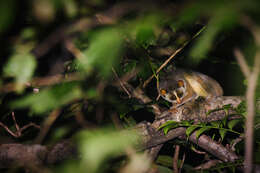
column 121, row 83
column 176, row 158
column 82, row 121
column 250, row 93
column 29, row 125
column 83, row 24
column 73, row 49
column 47, row 125
column 139, row 94
column 182, row 162
column 19, row 130
column 8, row 130
column 208, row 165
column 236, row 141
column 198, row 151
column 116, row 121
column 154, row 151
column 242, row 63
column 172, row 56
column 250, row 97
column 44, row 81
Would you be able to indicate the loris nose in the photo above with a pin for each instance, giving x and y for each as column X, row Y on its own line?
column 177, row 97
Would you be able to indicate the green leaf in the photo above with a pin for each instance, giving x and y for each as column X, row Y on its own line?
column 167, row 123
column 228, row 106
column 169, row 127
column 190, row 130
column 145, row 36
column 21, row 66
column 222, row 133
column 241, row 108
column 50, row 98
column 214, row 110
column 91, row 93
column 71, row 8
column 232, row 123
column 201, row 130
column 215, row 123
column 98, row 145
column 103, row 52
column 186, row 123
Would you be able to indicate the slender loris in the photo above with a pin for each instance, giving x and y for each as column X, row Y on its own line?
column 180, row 86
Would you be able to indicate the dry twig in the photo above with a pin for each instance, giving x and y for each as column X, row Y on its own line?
column 172, row 56
column 121, row 83
column 43, row 81
column 251, row 77
column 176, row 158
column 47, row 125
column 207, row 165
column 19, row 130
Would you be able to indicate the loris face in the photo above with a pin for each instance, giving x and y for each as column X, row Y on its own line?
column 181, row 86
column 172, row 91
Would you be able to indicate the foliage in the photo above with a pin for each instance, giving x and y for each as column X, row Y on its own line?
column 75, row 56
column 223, row 126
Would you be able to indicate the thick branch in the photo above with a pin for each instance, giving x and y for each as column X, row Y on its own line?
column 25, row 155
column 35, row 155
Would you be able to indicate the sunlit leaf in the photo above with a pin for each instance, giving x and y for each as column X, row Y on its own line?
column 71, row 8
column 21, row 66
column 190, row 130
column 98, row 145
column 201, row 130
column 169, row 127
column 50, row 98
column 222, row 133
column 103, row 52
column 145, row 36
column 167, row 123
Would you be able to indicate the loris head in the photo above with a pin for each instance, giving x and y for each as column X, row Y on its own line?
column 172, row 90
column 180, row 86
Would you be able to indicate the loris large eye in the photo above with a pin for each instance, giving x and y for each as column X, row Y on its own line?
column 180, row 83
column 163, row 92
